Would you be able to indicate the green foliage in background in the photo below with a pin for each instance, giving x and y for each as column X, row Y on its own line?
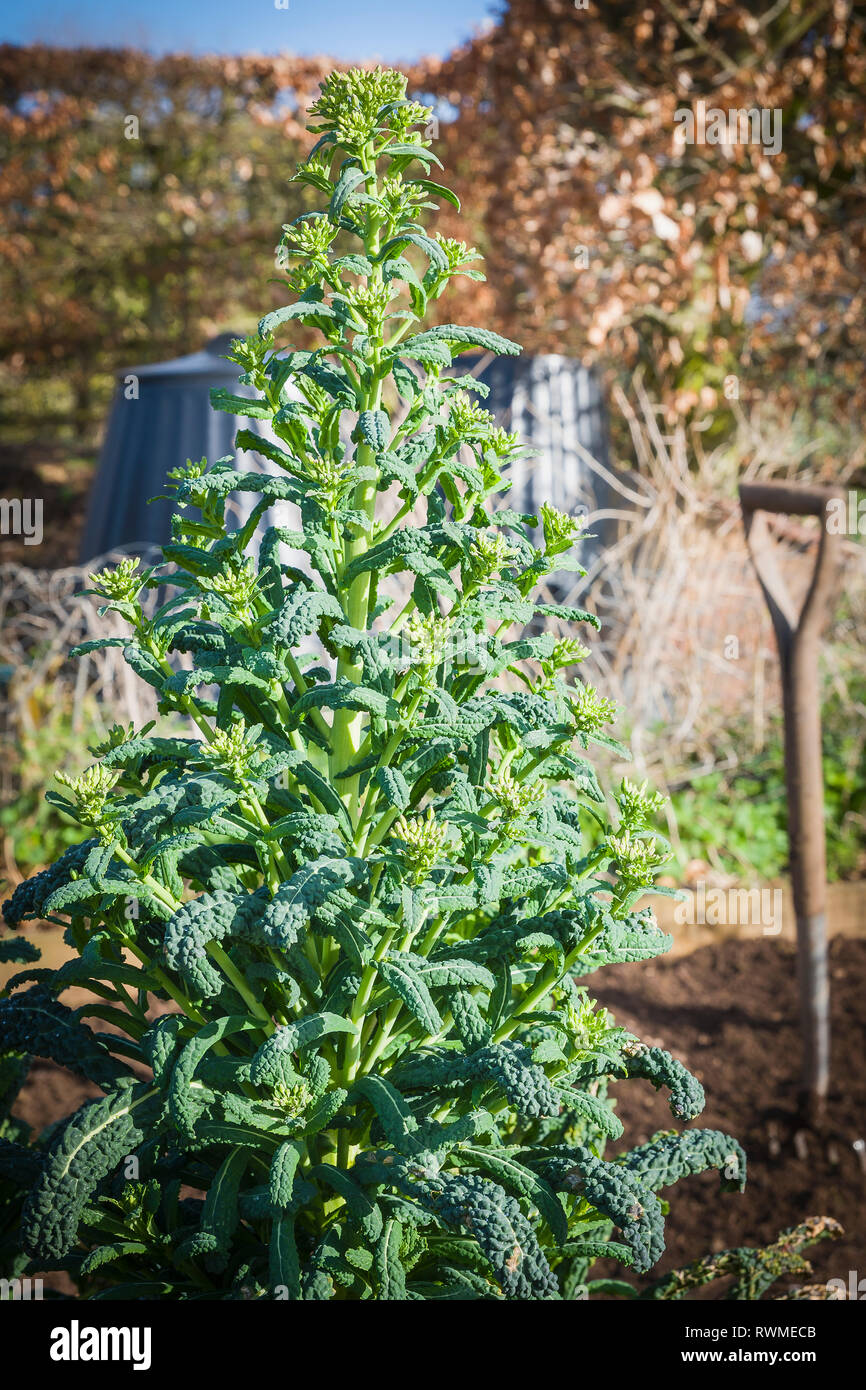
column 738, row 820
column 359, row 888
column 140, row 195
column 54, row 736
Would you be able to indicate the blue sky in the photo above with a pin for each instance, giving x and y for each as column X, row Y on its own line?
column 349, row 29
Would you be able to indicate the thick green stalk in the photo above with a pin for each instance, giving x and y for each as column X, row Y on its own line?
column 549, row 980
column 234, row 976
column 348, row 723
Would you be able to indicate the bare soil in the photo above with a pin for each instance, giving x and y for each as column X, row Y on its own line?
column 729, row 1012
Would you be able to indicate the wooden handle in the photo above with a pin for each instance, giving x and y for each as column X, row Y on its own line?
column 796, row 500
column 797, row 635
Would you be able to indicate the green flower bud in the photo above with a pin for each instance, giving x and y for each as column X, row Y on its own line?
column 121, row 584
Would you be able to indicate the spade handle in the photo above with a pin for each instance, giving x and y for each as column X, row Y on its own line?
column 797, row 638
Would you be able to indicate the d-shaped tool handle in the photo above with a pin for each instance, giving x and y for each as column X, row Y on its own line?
column 794, row 500
column 797, row 637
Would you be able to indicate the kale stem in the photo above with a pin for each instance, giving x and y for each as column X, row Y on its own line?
column 159, row 891
column 347, row 723
column 548, row 982
column 163, row 980
column 352, row 1043
column 234, row 976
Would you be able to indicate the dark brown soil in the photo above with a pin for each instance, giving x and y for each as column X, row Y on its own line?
column 729, row 1011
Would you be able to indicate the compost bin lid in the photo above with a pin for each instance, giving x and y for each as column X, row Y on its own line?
column 161, row 416
column 209, row 360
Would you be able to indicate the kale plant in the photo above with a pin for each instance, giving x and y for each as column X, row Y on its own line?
column 336, row 928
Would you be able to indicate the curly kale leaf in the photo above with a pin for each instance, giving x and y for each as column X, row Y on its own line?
column 219, row 1215
column 594, row 1110
column 390, row 1274
column 300, row 614
column 34, row 1021
column 614, row 1192
column 654, row 1064
column 212, row 869
column 85, row 1150
column 259, row 918
column 478, row 1206
column 272, row 1063
column 17, row 950
column 284, row 1267
column 142, row 753
column 362, row 1212
column 506, row 938
column 399, row 973
column 507, row 1065
column 210, row 917
column 507, row 1169
column 633, row 938
column 162, row 1044
column 399, row 1125
column 669, row 1157
column 186, row 1107
column 472, row 1027
column 29, row 899
column 179, row 803
column 459, row 337
column 503, row 1233
column 281, row 1180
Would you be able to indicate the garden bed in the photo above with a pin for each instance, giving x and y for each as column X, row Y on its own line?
column 729, row 1011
